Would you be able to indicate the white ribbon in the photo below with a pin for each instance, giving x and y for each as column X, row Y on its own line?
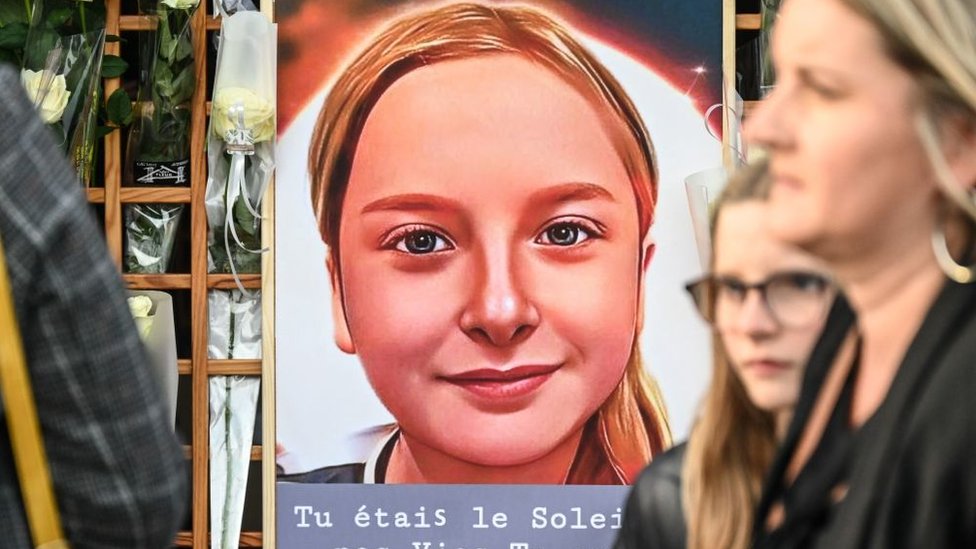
column 240, row 144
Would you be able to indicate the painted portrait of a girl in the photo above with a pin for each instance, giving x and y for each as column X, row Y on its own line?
column 485, row 189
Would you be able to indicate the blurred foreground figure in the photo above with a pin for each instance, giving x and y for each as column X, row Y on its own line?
column 115, row 462
column 871, row 134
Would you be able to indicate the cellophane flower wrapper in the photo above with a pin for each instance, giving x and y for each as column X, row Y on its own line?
column 235, row 332
column 150, row 232
column 158, row 150
column 159, row 337
column 767, row 77
column 226, row 8
column 65, row 72
column 240, row 142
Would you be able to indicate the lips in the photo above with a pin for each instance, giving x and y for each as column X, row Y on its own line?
column 495, row 384
column 767, row 367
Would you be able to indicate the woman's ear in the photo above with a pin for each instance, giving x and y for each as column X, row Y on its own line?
column 647, row 254
column 960, row 151
column 343, row 338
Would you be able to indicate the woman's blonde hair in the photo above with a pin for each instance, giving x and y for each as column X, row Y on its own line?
column 935, row 42
column 733, row 442
column 631, row 426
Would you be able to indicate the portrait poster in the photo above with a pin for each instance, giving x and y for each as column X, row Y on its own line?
column 482, row 237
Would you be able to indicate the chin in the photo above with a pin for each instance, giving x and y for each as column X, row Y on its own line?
column 771, row 400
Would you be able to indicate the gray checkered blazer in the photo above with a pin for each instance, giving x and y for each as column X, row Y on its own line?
column 118, row 470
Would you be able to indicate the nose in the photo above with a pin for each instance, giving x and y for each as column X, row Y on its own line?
column 767, row 126
column 500, row 311
column 755, row 318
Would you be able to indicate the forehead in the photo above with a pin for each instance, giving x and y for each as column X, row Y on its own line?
column 825, row 31
column 744, row 246
column 500, row 116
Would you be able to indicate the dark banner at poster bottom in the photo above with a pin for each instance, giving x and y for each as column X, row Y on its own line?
column 352, row 516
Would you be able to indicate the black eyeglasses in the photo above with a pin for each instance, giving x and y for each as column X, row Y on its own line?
column 794, row 298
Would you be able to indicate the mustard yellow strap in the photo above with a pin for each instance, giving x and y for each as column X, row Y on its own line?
column 25, row 432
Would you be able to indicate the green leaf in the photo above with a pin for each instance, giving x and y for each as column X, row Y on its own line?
column 42, row 41
column 102, row 131
column 13, row 36
column 113, row 66
column 119, row 108
column 58, row 17
column 12, row 10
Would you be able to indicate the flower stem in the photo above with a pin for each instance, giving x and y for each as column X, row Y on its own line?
column 81, row 11
column 27, row 8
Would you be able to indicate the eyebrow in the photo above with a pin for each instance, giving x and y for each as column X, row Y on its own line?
column 411, row 202
column 571, row 192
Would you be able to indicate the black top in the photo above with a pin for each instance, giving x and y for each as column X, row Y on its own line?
column 911, row 468
column 653, row 517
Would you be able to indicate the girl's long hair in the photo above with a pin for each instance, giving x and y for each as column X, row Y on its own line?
column 733, row 442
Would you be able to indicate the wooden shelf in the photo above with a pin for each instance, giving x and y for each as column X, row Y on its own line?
column 748, row 21
column 234, row 367
column 248, row 539
column 144, row 195
column 185, row 282
column 226, row 281
column 197, row 283
column 218, row 367
column 148, row 23
column 157, row 281
column 256, row 452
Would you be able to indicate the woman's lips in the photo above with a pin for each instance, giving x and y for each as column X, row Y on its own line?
column 495, row 384
column 768, row 367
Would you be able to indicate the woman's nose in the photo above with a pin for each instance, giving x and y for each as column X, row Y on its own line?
column 766, row 126
column 500, row 311
column 755, row 318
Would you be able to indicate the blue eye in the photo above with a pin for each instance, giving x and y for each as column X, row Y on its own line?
column 565, row 234
column 420, row 242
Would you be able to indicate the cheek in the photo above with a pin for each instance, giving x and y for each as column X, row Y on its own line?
column 737, row 348
column 592, row 307
column 398, row 318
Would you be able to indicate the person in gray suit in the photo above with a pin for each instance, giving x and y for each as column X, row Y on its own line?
column 117, row 467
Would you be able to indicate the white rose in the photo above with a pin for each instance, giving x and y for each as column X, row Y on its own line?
column 181, row 4
column 49, row 94
column 258, row 113
column 140, row 306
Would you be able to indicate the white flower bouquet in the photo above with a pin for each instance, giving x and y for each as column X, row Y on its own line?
column 240, row 142
column 152, row 312
column 240, row 149
column 235, row 332
column 61, row 74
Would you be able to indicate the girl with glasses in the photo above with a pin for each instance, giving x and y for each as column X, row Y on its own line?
column 766, row 301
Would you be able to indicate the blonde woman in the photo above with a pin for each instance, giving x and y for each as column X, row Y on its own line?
column 485, row 188
column 871, row 133
column 766, row 301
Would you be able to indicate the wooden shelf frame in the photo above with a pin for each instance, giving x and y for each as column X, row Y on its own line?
column 112, row 196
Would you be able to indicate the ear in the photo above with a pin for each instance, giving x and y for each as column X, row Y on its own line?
column 648, row 248
column 343, row 338
column 961, row 153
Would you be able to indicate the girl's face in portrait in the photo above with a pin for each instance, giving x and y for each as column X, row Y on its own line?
column 848, row 168
column 767, row 346
column 490, row 260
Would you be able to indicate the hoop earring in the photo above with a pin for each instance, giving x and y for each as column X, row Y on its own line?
column 959, row 273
